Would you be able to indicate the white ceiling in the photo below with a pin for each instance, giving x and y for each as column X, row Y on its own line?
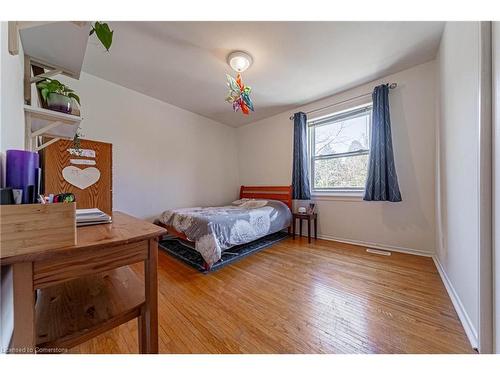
column 184, row 63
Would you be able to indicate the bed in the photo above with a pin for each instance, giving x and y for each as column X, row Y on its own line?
column 260, row 211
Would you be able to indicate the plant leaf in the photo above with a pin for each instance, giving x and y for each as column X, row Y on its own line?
column 104, row 34
column 48, row 86
column 74, row 96
column 45, row 93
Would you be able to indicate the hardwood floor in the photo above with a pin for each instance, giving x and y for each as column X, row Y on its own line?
column 295, row 297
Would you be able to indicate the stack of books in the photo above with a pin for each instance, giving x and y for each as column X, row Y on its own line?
column 91, row 216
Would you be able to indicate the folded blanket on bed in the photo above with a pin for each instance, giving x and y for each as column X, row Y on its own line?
column 214, row 229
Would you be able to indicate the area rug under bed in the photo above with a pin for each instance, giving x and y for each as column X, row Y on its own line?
column 181, row 250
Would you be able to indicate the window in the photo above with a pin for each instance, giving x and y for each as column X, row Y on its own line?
column 339, row 147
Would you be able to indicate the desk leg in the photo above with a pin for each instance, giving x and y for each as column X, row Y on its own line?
column 315, row 228
column 141, row 332
column 148, row 321
column 309, row 230
column 293, row 228
column 23, row 338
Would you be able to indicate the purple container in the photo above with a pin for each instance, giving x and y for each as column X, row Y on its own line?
column 59, row 103
column 21, row 167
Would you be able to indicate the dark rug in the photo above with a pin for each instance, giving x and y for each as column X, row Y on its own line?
column 181, row 250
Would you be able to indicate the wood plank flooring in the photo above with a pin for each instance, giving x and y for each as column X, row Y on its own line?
column 295, row 297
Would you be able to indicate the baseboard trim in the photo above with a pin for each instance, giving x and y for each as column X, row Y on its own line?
column 397, row 249
column 457, row 304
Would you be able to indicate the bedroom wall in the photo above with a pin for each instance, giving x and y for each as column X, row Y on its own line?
column 163, row 156
column 265, row 157
column 11, row 137
column 11, row 98
column 496, row 181
column 457, row 169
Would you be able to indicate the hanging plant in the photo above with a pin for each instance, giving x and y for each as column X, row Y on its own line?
column 77, row 145
column 103, row 33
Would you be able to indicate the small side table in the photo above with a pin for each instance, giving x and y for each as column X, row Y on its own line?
column 309, row 216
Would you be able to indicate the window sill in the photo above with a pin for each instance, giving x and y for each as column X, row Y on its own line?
column 348, row 196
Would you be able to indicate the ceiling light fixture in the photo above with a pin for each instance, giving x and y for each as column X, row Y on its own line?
column 239, row 61
column 239, row 94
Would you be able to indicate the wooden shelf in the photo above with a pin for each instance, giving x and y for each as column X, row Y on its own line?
column 76, row 311
column 47, row 123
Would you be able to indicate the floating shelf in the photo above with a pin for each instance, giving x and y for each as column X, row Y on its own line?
column 50, row 48
column 41, row 122
column 54, row 45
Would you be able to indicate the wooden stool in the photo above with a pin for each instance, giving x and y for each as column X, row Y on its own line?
column 309, row 216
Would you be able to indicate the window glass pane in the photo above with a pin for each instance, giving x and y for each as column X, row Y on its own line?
column 342, row 136
column 342, row 172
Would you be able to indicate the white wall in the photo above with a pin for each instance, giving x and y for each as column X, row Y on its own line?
column 496, row 181
column 11, row 98
column 11, row 137
column 163, row 156
column 457, row 170
column 265, row 157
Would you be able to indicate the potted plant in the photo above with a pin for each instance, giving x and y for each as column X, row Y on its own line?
column 57, row 95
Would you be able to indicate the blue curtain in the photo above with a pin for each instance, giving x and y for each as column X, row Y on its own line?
column 382, row 181
column 300, row 178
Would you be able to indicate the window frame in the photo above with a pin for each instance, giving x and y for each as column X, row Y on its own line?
column 327, row 119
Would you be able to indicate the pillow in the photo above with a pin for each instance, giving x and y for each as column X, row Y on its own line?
column 240, row 201
column 254, row 203
column 250, row 203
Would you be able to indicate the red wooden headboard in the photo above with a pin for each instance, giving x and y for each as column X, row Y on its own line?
column 279, row 193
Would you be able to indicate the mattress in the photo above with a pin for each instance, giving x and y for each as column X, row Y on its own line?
column 215, row 229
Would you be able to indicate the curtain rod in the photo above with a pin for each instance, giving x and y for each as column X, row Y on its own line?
column 391, row 86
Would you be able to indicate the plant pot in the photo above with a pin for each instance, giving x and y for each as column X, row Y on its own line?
column 59, row 103
column 75, row 108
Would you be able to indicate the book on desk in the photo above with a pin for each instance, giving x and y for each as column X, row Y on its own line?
column 91, row 216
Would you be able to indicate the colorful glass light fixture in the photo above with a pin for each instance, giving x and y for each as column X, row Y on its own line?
column 239, row 94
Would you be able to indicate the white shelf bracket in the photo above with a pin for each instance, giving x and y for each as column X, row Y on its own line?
column 48, row 143
column 48, row 74
column 45, row 129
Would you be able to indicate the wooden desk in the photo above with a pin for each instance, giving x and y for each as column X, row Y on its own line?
column 84, row 290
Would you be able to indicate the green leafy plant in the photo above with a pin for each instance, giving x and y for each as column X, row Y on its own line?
column 49, row 86
column 77, row 145
column 103, row 33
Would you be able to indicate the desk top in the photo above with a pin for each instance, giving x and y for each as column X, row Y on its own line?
column 124, row 229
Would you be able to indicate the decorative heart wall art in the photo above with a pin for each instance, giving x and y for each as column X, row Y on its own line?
column 81, row 178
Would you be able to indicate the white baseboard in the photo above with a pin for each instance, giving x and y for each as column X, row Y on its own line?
column 459, row 307
column 397, row 249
